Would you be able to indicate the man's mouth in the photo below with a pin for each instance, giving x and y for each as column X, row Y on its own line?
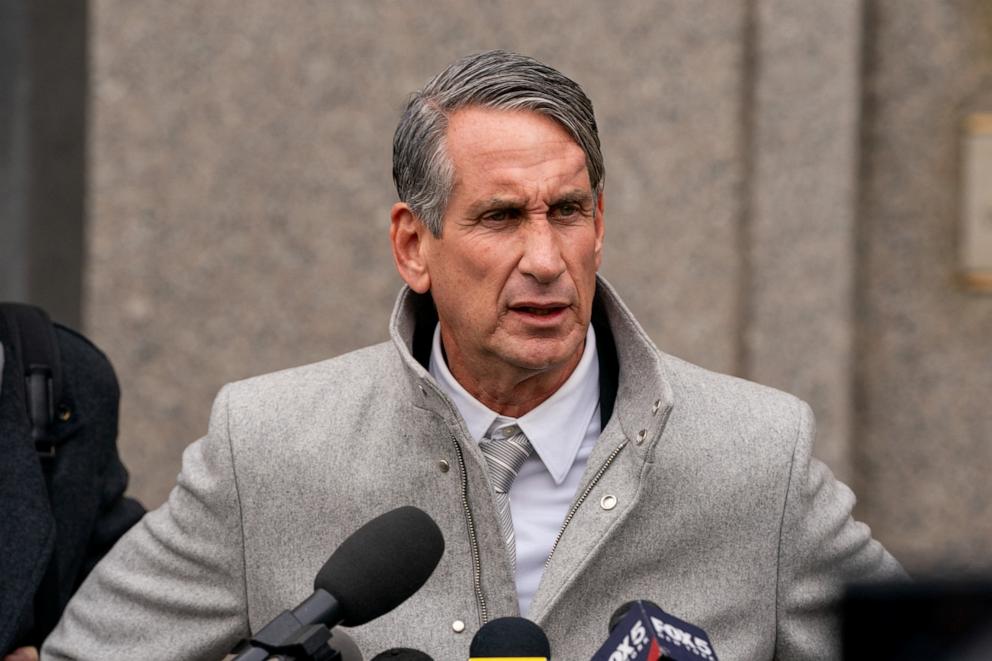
column 541, row 312
column 538, row 312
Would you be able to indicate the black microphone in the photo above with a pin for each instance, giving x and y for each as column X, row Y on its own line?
column 642, row 631
column 509, row 638
column 402, row 654
column 374, row 570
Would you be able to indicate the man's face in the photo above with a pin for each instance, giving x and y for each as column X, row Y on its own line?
column 514, row 272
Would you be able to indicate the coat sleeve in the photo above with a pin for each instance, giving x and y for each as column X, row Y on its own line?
column 821, row 549
column 173, row 587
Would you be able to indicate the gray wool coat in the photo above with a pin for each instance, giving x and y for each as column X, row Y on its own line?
column 721, row 514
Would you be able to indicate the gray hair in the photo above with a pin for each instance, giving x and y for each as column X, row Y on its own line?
column 498, row 79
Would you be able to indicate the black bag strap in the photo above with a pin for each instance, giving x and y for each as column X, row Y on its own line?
column 33, row 338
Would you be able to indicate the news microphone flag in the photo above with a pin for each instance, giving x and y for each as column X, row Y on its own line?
column 648, row 633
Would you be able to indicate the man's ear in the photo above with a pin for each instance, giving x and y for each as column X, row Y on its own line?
column 408, row 236
column 600, row 228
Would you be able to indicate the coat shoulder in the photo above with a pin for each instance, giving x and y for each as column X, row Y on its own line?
column 724, row 387
column 354, row 380
column 371, row 359
column 715, row 402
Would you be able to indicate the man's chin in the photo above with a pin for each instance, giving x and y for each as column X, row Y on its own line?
column 544, row 356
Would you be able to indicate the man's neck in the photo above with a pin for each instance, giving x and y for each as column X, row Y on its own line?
column 512, row 393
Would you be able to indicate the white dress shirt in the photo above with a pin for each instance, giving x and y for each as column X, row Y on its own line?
column 563, row 430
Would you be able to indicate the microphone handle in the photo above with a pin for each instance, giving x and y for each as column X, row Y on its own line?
column 320, row 607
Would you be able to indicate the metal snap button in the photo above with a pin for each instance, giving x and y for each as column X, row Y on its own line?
column 641, row 435
column 458, row 626
column 656, row 406
column 423, row 391
column 608, row 502
column 444, row 466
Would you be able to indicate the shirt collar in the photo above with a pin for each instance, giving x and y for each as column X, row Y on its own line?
column 555, row 428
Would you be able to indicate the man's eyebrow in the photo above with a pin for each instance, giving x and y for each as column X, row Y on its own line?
column 494, row 202
column 582, row 198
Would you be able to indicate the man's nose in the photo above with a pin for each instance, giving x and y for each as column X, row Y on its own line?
column 541, row 258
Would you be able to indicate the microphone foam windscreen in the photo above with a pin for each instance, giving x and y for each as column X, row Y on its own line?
column 510, row 637
column 382, row 564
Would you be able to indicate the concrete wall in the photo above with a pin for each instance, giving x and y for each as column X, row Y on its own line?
column 924, row 447
column 780, row 189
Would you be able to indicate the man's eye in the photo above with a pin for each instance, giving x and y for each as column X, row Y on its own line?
column 567, row 211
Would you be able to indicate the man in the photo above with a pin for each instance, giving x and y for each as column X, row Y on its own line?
column 637, row 475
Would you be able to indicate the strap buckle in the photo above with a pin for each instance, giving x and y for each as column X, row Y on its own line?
column 41, row 409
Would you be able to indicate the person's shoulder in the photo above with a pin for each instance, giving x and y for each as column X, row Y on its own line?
column 721, row 387
column 355, row 374
column 730, row 401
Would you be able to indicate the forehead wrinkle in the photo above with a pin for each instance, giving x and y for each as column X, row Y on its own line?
column 506, row 182
column 517, row 158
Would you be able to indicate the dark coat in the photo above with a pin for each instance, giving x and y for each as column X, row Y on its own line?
column 52, row 536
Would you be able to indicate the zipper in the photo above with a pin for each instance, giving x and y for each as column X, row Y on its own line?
column 592, row 484
column 472, row 539
column 582, row 498
column 585, row 492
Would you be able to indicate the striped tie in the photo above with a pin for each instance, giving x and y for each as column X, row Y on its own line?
column 504, row 457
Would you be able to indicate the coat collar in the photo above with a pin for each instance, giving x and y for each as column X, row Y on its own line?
column 643, row 391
